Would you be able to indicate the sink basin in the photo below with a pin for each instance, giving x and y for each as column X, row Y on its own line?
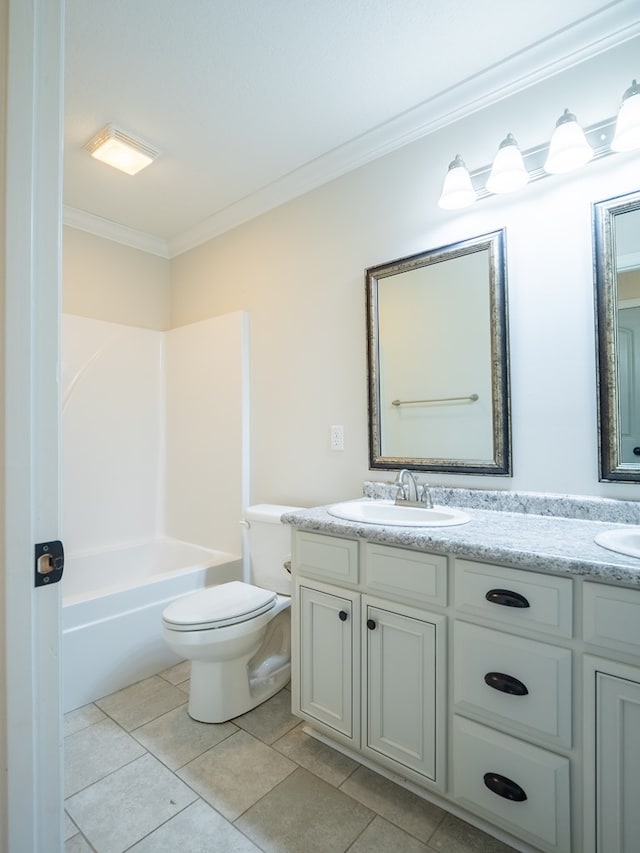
column 387, row 512
column 622, row 541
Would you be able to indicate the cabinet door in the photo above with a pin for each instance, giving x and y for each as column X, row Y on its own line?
column 401, row 716
column 329, row 626
column 618, row 764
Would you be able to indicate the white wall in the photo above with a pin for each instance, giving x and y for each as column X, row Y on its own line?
column 207, row 431
column 299, row 272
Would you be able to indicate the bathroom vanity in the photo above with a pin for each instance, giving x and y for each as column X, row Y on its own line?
column 493, row 668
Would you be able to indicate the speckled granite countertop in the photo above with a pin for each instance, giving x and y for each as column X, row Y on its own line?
column 523, row 539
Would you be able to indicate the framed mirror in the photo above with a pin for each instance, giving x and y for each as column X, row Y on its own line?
column 616, row 225
column 438, row 360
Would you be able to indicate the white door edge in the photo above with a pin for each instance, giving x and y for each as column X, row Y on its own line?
column 33, row 732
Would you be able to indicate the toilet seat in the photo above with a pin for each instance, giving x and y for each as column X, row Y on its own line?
column 218, row 606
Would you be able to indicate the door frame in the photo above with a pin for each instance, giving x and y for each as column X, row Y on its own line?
column 31, row 73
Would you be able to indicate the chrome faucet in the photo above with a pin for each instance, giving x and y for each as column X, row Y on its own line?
column 407, row 487
column 410, row 493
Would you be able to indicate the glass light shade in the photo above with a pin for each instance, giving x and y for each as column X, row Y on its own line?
column 457, row 190
column 568, row 148
column 507, row 172
column 627, row 135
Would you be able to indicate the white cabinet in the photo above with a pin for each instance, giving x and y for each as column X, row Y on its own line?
column 370, row 672
column 521, row 685
column 454, row 676
column 618, row 764
column 612, row 719
column 403, row 705
column 329, row 641
column 521, row 787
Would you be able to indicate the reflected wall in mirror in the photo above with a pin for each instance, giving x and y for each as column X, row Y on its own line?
column 438, row 360
column 617, row 299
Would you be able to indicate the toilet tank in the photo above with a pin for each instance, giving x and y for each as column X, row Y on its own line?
column 269, row 546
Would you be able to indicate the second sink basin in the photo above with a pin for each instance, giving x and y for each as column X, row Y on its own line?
column 622, row 541
column 387, row 512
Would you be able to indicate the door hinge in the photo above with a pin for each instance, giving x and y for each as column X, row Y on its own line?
column 49, row 562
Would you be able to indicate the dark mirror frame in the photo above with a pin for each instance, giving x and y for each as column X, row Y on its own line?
column 611, row 467
column 501, row 463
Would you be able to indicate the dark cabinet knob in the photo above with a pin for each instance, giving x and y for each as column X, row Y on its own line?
column 636, row 451
column 507, row 598
column 371, row 624
column 504, row 787
column 505, row 683
column 343, row 615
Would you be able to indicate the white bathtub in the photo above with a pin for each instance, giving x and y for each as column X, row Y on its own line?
column 112, row 602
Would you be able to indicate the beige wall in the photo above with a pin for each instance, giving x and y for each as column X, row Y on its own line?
column 299, row 272
column 105, row 280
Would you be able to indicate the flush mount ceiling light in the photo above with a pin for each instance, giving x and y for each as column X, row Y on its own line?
column 627, row 135
column 569, row 148
column 508, row 172
column 457, row 190
column 119, row 149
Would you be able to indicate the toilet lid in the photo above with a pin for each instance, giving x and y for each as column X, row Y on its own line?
column 217, row 606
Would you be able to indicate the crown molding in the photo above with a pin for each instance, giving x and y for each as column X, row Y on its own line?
column 614, row 25
column 594, row 35
column 100, row 227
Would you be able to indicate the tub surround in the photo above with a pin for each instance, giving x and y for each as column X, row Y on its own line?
column 548, row 533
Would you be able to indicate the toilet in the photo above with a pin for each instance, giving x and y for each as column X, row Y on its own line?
column 238, row 635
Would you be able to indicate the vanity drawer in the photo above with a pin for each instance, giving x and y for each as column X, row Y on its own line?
column 520, row 685
column 612, row 617
column 325, row 557
column 412, row 575
column 514, row 597
column 487, row 763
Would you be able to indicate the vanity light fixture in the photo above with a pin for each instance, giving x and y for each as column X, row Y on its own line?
column 457, row 190
column 121, row 150
column 569, row 148
column 627, row 136
column 508, row 172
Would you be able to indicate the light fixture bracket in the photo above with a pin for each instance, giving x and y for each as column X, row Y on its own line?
column 598, row 136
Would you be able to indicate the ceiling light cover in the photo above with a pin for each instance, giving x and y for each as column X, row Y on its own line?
column 457, row 190
column 627, row 135
column 119, row 149
column 568, row 148
column 508, row 172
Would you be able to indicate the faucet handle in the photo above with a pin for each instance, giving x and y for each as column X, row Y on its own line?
column 425, row 496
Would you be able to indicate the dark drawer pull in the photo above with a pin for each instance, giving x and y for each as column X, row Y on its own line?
column 343, row 615
column 507, row 598
column 371, row 624
column 503, row 787
column 505, row 683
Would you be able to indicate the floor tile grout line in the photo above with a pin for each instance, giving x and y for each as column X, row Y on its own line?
column 106, row 776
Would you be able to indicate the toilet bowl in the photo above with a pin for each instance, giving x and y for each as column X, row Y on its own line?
column 237, row 635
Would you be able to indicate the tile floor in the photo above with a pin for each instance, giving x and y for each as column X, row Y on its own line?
column 141, row 775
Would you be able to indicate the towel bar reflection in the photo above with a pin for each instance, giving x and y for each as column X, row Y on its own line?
column 471, row 398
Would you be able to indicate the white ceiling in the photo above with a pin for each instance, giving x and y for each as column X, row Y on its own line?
column 253, row 102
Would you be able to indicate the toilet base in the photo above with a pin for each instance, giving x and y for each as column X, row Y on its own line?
column 227, row 687
column 221, row 691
